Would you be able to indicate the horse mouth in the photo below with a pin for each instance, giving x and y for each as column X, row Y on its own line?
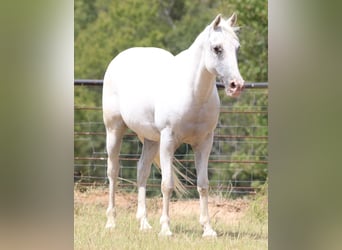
column 233, row 89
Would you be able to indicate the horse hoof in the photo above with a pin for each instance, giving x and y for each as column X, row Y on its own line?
column 209, row 233
column 165, row 233
column 110, row 224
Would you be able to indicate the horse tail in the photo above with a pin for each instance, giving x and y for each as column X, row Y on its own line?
column 180, row 189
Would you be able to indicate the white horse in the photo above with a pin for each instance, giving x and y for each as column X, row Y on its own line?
column 168, row 100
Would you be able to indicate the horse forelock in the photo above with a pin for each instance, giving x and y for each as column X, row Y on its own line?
column 223, row 26
column 229, row 29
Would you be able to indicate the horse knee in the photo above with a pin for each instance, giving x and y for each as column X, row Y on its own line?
column 110, row 173
column 202, row 185
column 166, row 189
column 111, row 212
column 203, row 191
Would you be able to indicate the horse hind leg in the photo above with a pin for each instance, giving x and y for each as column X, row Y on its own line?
column 150, row 148
column 114, row 134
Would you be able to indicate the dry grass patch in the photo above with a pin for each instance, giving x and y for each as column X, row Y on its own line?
column 236, row 227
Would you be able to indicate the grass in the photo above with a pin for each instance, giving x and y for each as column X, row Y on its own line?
column 248, row 232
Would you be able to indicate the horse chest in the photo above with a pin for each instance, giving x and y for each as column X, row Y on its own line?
column 188, row 118
column 194, row 123
column 199, row 122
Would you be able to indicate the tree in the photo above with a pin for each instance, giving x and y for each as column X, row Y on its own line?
column 120, row 26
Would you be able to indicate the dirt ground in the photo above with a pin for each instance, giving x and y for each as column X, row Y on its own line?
column 219, row 209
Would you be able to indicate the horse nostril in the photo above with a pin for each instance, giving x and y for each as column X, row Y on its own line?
column 233, row 85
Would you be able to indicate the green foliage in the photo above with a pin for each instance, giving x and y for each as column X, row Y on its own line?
column 118, row 26
column 84, row 15
column 258, row 209
column 90, row 120
column 253, row 36
column 104, row 28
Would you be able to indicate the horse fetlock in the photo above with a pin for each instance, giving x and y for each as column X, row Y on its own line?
column 144, row 225
column 111, row 212
column 165, row 226
column 164, row 220
column 204, row 221
column 110, row 223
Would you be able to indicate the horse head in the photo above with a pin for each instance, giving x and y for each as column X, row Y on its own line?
column 221, row 54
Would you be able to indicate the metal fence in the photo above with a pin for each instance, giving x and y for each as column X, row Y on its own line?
column 239, row 157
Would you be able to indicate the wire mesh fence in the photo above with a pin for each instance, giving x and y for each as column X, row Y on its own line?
column 238, row 160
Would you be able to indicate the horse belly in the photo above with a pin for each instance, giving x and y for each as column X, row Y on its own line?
column 147, row 131
column 141, row 121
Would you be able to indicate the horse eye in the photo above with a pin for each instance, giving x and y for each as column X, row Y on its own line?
column 218, row 50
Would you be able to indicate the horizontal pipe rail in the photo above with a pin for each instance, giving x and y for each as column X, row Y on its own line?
column 99, row 82
column 215, row 136
column 222, row 111
column 227, row 188
column 180, row 160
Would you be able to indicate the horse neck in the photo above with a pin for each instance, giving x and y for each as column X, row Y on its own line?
column 202, row 81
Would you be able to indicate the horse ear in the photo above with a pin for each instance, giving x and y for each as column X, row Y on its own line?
column 232, row 20
column 216, row 21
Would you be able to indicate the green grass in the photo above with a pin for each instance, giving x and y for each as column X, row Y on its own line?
column 248, row 232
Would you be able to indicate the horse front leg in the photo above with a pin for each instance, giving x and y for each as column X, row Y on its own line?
column 202, row 152
column 167, row 148
column 150, row 149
